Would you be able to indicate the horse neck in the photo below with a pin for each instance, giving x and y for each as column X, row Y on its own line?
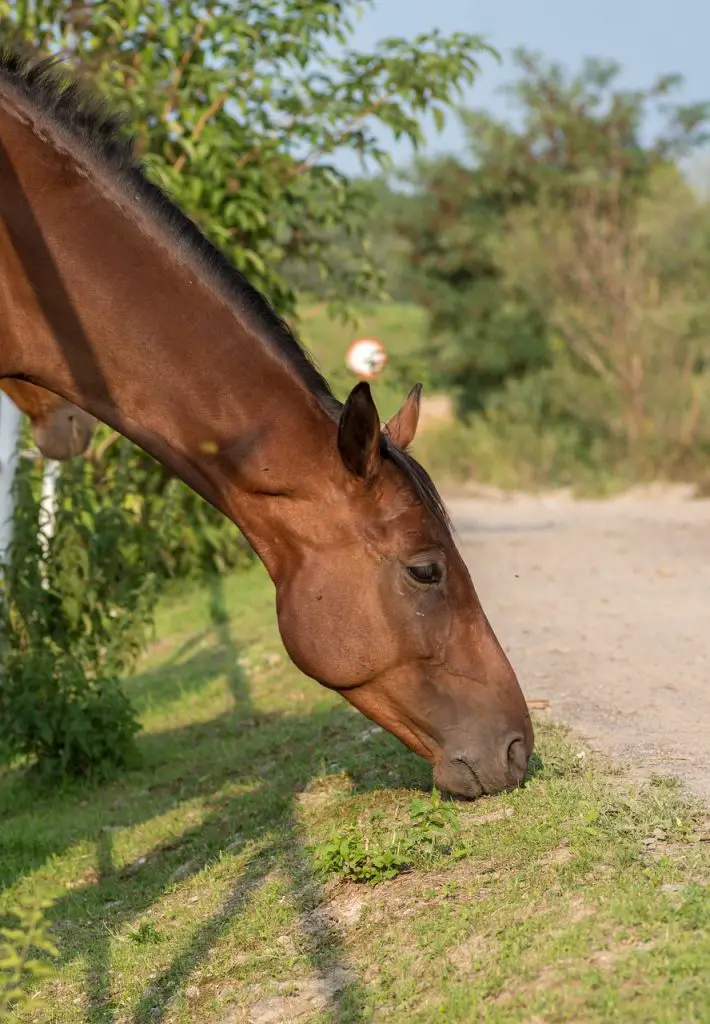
column 102, row 306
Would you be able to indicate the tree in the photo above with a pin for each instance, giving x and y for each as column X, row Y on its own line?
column 241, row 107
column 575, row 133
column 626, row 297
column 384, row 207
column 480, row 331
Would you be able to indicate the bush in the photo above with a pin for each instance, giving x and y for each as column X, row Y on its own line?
column 187, row 537
column 18, row 966
column 512, row 455
column 78, row 604
column 69, row 721
column 76, row 609
column 524, row 438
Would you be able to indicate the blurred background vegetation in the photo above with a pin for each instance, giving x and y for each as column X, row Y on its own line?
column 554, row 285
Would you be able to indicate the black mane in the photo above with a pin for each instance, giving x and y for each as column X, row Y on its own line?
column 85, row 121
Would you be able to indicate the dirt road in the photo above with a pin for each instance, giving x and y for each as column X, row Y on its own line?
column 604, row 610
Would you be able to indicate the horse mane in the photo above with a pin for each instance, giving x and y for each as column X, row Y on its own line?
column 85, row 123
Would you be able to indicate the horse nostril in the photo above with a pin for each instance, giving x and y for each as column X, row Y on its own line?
column 517, row 759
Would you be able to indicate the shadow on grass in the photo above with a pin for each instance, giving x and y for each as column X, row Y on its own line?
column 219, row 614
column 180, row 675
column 268, row 759
column 98, row 963
column 274, row 762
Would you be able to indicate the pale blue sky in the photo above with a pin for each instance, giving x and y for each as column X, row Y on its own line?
column 647, row 37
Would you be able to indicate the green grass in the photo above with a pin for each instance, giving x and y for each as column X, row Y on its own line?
column 207, row 884
column 400, row 328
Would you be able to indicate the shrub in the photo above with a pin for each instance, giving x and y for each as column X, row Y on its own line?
column 188, row 538
column 78, row 604
column 75, row 613
column 352, row 854
column 18, row 966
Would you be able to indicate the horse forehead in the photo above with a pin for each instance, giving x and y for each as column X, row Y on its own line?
column 405, row 520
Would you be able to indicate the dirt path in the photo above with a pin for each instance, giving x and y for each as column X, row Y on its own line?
column 604, row 610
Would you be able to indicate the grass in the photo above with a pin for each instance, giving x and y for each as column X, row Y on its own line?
column 400, row 328
column 213, row 883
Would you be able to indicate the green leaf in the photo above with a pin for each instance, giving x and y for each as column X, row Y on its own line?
column 439, row 118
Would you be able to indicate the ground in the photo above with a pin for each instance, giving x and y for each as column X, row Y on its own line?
column 220, row 879
column 604, row 610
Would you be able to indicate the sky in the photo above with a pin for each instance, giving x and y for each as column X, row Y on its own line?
column 646, row 37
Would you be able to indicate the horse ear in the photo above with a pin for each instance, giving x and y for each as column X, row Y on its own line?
column 359, row 433
column 403, row 425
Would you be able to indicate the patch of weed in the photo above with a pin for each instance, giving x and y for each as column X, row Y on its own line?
column 349, row 854
column 146, row 934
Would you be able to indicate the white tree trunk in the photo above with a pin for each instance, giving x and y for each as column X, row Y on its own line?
column 49, row 501
column 10, row 420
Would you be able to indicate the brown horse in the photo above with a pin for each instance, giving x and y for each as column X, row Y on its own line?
column 114, row 300
column 59, row 428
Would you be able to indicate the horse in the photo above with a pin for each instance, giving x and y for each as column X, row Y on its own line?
column 60, row 430
column 113, row 299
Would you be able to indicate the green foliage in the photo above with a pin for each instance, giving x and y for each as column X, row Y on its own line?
column 432, row 821
column 186, row 536
column 563, row 271
column 350, row 853
column 481, row 332
column 20, row 966
column 526, row 438
column 577, row 133
column 69, row 722
column 629, row 315
column 239, row 109
column 76, row 609
column 384, row 207
column 146, row 934
column 193, row 539
column 79, row 604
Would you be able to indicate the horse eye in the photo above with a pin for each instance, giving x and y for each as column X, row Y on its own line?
column 431, row 572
